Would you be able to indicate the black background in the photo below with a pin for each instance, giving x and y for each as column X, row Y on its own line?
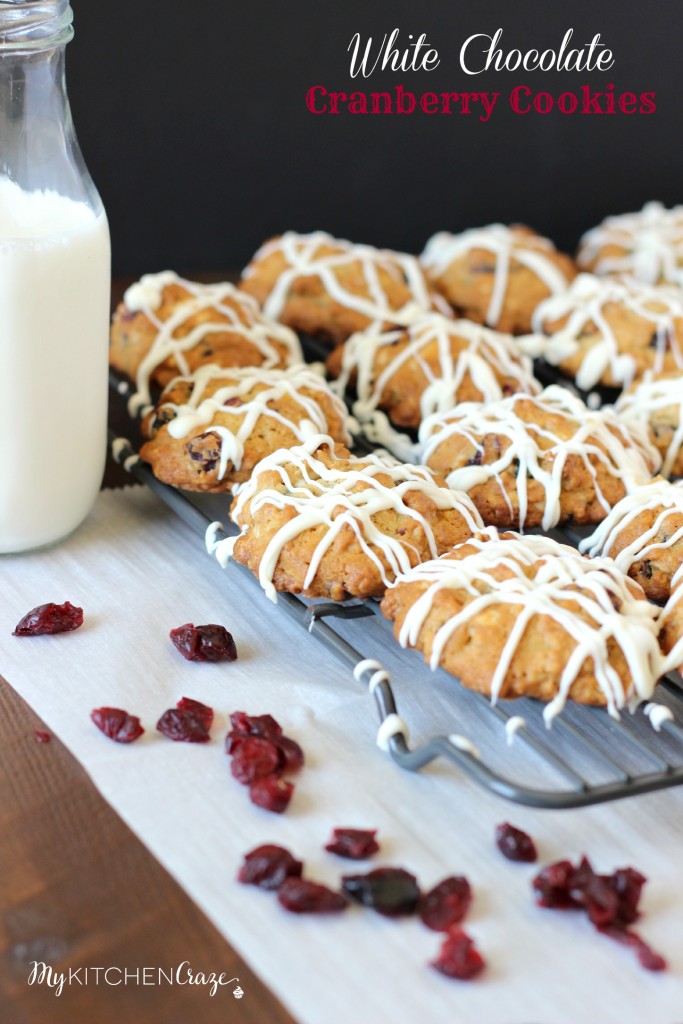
column 192, row 120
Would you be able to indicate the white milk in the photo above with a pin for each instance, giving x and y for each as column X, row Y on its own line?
column 54, row 319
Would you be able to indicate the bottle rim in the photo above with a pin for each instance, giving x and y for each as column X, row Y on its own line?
column 34, row 24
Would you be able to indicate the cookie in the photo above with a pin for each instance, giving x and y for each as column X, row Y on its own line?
column 496, row 275
column 317, row 521
column 608, row 332
column 430, row 366
column 644, row 536
column 647, row 245
column 329, row 288
column 671, row 626
column 209, row 430
column 528, row 617
column 656, row 402
column 168, row 326
column 529, row 461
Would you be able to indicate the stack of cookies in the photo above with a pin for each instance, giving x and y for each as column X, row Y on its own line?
column 433, row 357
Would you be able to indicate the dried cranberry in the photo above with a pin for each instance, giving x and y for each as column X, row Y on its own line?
column 50, row 618
column 204, row 643
column 291, row 754
column 271, row 793
column 515, row 844
column 183, row 726
column 354, row 843
column 458, row 957
column 41, row 736
column 117, row 724
column 255, row 725
column 446, row 904
column 390, row 891
column 300, row 896
column 610, row 901
column 201, row 711
column 268, row 866
column 254, row 758
column 650, row 960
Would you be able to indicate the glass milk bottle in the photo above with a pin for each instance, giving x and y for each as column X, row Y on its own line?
column 54, row 289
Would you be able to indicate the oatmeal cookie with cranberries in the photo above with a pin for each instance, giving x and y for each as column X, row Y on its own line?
column 429, row 367
column 167, row 326
column 656, row 402
column 608, row 332
column 644, row 536
column 496, row 275
column 529, row 461
column 209, row 430
column 329, row 288
column 528, row 617
column 647, row 246
column 315, row 520
column 671, row 625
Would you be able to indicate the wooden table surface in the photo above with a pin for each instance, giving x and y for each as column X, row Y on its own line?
column 78, row 889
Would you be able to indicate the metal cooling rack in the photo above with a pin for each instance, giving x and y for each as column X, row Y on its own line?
column 587, row 757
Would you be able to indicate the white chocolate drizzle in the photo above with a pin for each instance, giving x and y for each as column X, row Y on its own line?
column 302, row 258
column 597, row 437
column 505, row 245
column 464, row 744
column 584, row 304
column 660, row 496
column 379, row 674
column 651, row 240
column 345, row 493
column 231, row 398
column 464, row 349
column 674, row 659
column 650, row 396
column 246, row 320
column 512, row 727
column 542, row 577
column 393, row 725
column 658, row 714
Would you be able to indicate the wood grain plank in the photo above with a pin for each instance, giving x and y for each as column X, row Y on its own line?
column 77, row 888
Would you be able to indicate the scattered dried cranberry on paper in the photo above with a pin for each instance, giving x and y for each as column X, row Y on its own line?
column 268, row 866
column 194, row 707
column 515, row 844
column 254, row 758
column 459, row 957
column 204, row 643
column 300, row 896
column 117, row 724
column 610, row 901
column 353, row 843
column 50, row 618
column 184, row 725
column 271, row 793
column 392, row 892
column 446, row 904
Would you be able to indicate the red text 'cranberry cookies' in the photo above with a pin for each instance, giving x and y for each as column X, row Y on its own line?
column 50, row 618
column 117, row 724
column 204, row 643
column 353, row 843
column 267, row 867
